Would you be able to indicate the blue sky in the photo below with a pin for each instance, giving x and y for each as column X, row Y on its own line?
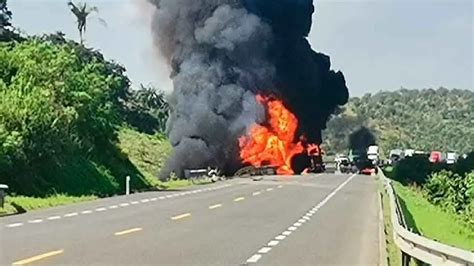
column 378, row 44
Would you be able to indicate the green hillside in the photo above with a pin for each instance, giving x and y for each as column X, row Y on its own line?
column 425, row 119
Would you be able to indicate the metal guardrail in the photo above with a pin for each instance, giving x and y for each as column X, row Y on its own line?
column 419, row 247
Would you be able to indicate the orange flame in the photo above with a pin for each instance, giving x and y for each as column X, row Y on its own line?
column 273, row 144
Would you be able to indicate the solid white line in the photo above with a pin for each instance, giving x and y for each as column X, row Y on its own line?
column 286, row 233
column 254, row 258
column 86, row 212
column 14, row 225
column 273, row 243
column 54, row 218
column 280, row 237
column 100, row 209
column 264, row 250
column 35, row 221
column 71, row 214
column 124, row 205
column 145, row 200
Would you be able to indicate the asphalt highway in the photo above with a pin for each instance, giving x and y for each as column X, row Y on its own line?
column 303, row 220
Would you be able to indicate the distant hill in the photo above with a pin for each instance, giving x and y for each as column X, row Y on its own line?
column 425, row 119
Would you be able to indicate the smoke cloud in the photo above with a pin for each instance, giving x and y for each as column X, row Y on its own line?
column 361, row 139
column 224, row 52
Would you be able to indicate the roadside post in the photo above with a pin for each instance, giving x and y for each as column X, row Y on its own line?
column 2, row 194
column 127, row 185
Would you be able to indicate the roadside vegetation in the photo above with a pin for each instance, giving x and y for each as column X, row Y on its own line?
column 437, row 199
column 71, row 125
column 427, row 120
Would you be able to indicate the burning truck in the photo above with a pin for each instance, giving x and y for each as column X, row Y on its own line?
column 248, row 88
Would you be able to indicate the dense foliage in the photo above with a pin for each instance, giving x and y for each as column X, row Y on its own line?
column 426, row 120
column 146, row 110
column 60, row 106
column 449, row 186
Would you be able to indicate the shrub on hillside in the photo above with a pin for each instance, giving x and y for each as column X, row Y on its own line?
column 412, row 170
column 451, row 190
column 437, row 186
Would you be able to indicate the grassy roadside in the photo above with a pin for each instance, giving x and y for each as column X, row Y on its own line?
column 433, row 222
column 20, row 204
column 146, row 152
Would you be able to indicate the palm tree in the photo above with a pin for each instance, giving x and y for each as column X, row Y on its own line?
column 82, row 12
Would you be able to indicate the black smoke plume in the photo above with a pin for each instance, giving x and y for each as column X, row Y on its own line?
column 361, row 139
column 222, row 53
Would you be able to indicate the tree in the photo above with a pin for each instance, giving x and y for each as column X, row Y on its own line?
column 82, row 11
column 7, row 32
column 147, row 110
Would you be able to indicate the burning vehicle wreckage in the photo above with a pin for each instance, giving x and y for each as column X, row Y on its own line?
column 250, row 95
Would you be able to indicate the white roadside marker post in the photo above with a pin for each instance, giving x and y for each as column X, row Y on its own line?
column 2, row 194
column 127, row 185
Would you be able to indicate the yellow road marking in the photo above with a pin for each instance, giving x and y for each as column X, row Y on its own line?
column 38, row 257
column 133, row 230
column 215, row 206
column 239, row 199
column 178, row 217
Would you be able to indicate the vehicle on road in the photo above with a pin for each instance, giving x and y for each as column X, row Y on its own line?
column 373, row 154
column 395, row 156
column 436, row 157
column 343, row 164
column 409, row 152
column 451, row 157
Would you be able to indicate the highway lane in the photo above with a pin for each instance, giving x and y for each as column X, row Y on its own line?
column 225, row 226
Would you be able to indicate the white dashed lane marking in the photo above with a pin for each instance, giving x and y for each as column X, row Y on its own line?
column 254, row 258
column 14, row 225
column 306, row 217
column 264, row 250
column 125, row 204
column 273, row 243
